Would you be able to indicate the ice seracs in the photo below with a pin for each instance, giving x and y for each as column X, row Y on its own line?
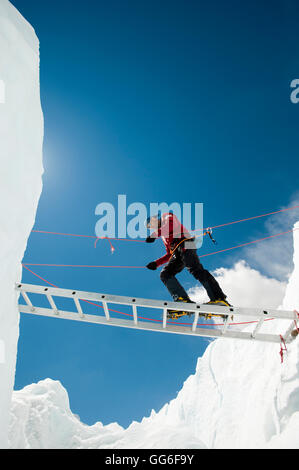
column 21, row 138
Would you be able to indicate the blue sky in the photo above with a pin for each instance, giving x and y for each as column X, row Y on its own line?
column 161, row 101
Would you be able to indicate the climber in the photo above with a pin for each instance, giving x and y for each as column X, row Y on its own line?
column 180, row 253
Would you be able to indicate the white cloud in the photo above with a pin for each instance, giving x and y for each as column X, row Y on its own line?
column 274, row 257
column 245, row 287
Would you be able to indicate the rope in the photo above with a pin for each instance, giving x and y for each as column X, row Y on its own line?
column 250, row 243
column 296, row 326
column 88, row 236
column 81, row 266
column 143, row 241
column 111, row 246
column 283, row 347
column 255, row 217
column 142, row 267
column 245, row 220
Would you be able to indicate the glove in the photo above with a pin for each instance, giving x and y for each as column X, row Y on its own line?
column 150, row 239
column 152, row 266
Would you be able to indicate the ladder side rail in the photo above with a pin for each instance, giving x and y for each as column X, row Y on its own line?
column 149, row 326
column 93, row 296
column 288, row 332
column 114, row 299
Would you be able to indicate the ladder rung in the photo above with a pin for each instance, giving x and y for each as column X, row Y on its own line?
column 196, row 317
column 225, row 326
column 28, row 301
column 79, row 308
column 291, row 327
column 52, row 303
column 258, row 327
column 106, row 310
column 135, row 314
column 164, row 317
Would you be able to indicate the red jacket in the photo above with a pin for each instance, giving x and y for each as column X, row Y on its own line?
column 172, row 232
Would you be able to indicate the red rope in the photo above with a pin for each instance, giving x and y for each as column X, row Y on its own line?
column 141, row 267
column 283, row 347
column 255, row 217
column 81, row 266
column 88, row 236
column 143, row 241
column 105, row 238
column 250, row 243
column 296, row 326
column 245, row 220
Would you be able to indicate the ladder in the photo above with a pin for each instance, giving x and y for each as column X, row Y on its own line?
column 164, row 325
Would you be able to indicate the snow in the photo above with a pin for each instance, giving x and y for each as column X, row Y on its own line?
column 292, row 292
column 41, row 418
column 21, row 137
column 240, row 396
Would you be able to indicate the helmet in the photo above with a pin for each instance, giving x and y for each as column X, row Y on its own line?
column 147, row 221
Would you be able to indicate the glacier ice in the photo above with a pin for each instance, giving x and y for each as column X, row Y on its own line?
column 21, row 139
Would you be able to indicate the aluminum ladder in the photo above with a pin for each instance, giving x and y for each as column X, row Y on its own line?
column 258, row 315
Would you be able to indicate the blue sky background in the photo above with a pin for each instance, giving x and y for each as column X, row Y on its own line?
column 161, row 101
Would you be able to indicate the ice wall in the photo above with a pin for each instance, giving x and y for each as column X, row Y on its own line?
column 291, row 299
column 21, row 137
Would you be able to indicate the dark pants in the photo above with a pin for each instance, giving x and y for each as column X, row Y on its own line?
column 188, row 258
